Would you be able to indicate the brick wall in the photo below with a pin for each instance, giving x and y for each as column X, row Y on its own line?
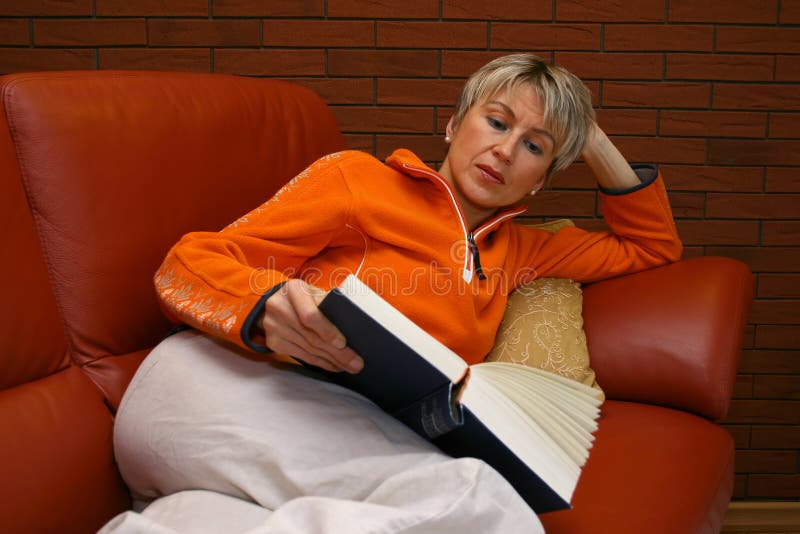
column 708, row 89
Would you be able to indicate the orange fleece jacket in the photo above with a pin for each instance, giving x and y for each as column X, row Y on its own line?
column 400, row 229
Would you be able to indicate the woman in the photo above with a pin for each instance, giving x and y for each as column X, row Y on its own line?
column 440, row 246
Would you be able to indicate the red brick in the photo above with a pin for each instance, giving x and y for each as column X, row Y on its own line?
column 776, row 486
column 594, row 88
column 462, row 63
column 790, row 12
column 46, row 8
column 693, row 252
column 716, row 11
column 650, row 37
column 778, row 337
column 777, row 386
column 408, row 63
column 762, row 259
column 152, row 8
column 560, row 203
column 784, row 125
column 752, row 206
column 89, row 32
column 662, row 150
column 358, row 119
column 650, row 94
column 418, row 91
column 753, row 152
column 757, row 96
column 576, row 176
column 538, row 36
column 687, row 205
column 493, row 10
column 365, row 143
column 780, row 232
column 775, row 312
column 400, row 34
column 443, row 114
column 743, row 387
column 340, row 90
column 270, row 62
column 713, row 123
column 752, row 39
column 14, row 32
column 427, row 147
column 740, row 435
column 592, row 225
column 720, row 67
column 710, row 232
column 739, row 487
column 617, row 65
column 269, row 8
column 31, row 59
column 611, row 10
column 787, row 68
column 219, row 32
column 782, row 180
column 378, row 9
column 764, row 411
column 765, row 461
column 319, row 33
column 749, row 335
column 771, row 361
column 171, row 59
column 780, row 286
column 775, row 437
column 628, row 121
column 704, row 178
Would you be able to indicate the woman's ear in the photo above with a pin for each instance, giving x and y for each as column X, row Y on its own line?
column 539, row 184
column 448, row 131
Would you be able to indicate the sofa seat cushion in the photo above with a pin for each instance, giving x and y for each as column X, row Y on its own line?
column 58, row 469
column 654, row 470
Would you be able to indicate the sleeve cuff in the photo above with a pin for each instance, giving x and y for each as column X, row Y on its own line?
column 647, row 173
column 247, row 329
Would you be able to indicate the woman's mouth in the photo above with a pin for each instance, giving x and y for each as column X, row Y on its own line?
column 491, row 175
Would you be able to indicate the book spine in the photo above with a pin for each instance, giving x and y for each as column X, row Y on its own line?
column 433, row 415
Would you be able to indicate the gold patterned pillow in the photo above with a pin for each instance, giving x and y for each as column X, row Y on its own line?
column 543, row 326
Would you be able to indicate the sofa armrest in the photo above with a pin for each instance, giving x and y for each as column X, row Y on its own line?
column 670, row 336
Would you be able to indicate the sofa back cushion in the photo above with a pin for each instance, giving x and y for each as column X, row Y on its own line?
column 118, row 165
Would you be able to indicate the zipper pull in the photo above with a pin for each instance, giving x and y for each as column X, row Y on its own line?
column 476, row 257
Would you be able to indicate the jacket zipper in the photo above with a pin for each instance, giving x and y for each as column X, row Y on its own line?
column 476, row 256
column 472, row 257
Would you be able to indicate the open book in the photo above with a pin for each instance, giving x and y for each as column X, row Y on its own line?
column 534, row 427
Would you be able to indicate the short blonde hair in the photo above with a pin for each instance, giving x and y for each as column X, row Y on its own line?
column 567, row 102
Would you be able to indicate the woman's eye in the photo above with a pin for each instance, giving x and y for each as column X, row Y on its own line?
column 533, row 147
column 497, row 124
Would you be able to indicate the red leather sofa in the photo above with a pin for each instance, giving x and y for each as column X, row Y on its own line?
column 100, row 172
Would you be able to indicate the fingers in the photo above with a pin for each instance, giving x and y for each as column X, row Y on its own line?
column 294, row 325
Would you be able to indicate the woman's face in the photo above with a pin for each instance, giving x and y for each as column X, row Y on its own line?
column 499, row 152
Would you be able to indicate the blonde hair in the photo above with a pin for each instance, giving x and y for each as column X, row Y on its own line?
column 566, row 101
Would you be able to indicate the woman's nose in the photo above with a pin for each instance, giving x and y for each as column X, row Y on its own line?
column 504, row 150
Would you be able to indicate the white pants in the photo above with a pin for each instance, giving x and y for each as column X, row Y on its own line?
column 273, row 450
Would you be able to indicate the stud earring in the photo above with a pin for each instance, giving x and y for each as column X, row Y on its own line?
column 447, row 139
column 533, row 191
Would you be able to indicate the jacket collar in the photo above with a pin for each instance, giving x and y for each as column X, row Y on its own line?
column 408, row 163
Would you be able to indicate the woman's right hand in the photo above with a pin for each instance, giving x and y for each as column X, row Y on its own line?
column 293, row 325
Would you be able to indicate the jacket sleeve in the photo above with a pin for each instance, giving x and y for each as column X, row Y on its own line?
column 217, row 281
column 642, row 236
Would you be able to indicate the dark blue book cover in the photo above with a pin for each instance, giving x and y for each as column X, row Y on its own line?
column 403, row 383
column 394, row 376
